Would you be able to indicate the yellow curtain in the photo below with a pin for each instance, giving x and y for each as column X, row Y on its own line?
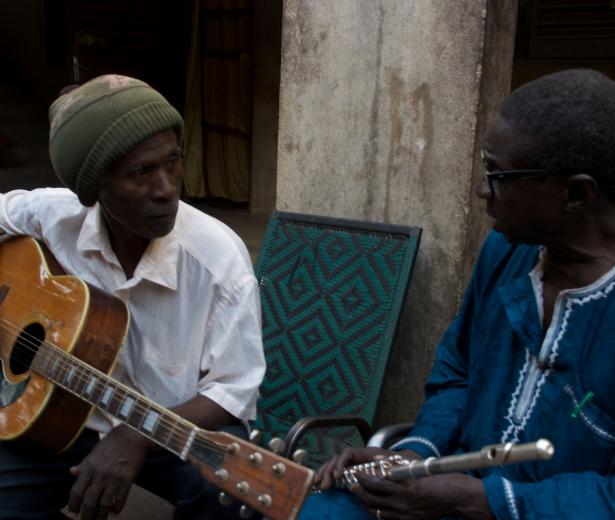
column 218, row 110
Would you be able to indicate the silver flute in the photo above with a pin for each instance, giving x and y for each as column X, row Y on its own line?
column 397, row 467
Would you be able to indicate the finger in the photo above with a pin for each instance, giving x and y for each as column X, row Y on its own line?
column 106, row 503
column 121, row 495
column 377, row 485
column 321, row 472
column 326, row 475
column 91, row 501
column 75, row 497
column 345, row 458
column 368, row 499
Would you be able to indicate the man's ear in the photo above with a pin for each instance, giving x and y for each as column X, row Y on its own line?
column 582, row 190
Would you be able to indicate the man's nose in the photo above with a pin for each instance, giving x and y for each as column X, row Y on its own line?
column 163, row 184
column 483, row 190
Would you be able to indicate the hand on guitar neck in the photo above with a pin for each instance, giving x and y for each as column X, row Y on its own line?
column 105, row 476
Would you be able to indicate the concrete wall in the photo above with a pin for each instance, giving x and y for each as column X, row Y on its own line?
column 382, row 104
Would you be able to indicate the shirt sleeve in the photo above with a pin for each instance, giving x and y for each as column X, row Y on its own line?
column 564, row 496
column 19, row 213
column 436, row 430
column 234, row 365
column 437, row 427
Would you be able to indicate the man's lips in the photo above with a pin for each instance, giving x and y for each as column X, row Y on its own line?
column 489, row 211
column 169, row 213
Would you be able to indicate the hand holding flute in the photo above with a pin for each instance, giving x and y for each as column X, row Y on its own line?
column 387, row 483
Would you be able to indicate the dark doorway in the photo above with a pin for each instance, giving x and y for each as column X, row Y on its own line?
column 558, row 34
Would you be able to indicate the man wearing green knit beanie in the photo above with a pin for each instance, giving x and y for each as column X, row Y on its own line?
column 194, row 340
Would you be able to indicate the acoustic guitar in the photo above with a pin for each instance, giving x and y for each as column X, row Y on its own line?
column 59, row 340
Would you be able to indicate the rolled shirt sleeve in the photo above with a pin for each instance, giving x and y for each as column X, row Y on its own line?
column 233, row 363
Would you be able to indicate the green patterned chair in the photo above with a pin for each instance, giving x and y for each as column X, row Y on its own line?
column 332, row 291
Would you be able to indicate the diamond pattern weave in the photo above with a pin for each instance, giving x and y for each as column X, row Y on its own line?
column 331, row 295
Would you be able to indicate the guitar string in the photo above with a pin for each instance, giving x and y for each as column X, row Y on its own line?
column 33, row 344
column 174, row 433
column 163, row 424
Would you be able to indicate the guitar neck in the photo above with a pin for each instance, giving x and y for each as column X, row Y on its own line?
column 158, row 424
column 264, row 481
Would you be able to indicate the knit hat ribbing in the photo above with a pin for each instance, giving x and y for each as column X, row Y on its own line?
column 98, row 123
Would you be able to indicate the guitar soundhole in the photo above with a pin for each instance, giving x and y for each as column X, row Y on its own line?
column 25, row 348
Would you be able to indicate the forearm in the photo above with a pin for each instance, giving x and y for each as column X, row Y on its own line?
column 200, row 410
column 473, row 503
column 204, row 413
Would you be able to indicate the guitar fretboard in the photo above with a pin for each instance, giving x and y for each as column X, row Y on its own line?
column 128, row 406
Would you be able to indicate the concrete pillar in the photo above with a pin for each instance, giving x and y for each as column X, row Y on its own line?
column 382, row 106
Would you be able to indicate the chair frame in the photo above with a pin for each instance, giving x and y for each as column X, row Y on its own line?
column 298, row 430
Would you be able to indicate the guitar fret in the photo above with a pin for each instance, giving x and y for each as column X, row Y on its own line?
column 40, row 363
column 134, row 415
column 188, row 444
column 68, row 376
column 105, row 396
column 79, row 384
column 54, row 368
column 164, row 428
column 116, row 400
column 173, row 442
column 150, row 421
column 91, row 384
column 126, row 407
column 97, row 391
column 160, row 427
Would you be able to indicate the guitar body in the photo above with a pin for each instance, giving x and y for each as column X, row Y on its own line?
column 39, row 302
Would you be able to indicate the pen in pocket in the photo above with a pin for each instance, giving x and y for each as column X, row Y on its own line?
column 577, row 409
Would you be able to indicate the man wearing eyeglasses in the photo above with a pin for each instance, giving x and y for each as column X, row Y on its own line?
column 531, row 353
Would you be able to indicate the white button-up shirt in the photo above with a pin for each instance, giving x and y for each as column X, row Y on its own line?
column 193, row 298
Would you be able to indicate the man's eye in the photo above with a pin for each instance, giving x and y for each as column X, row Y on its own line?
column 173, row 161
column 137, row 171
column 489, row 166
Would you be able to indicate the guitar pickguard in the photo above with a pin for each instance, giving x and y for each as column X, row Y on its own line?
column 10, row 392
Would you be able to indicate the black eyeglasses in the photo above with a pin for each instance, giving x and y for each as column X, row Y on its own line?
column 513, row 174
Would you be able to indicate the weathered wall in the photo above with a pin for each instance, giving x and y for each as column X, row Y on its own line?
column 382, row 104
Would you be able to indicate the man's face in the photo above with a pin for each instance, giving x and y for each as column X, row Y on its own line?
column 140, row 194
column 528, row 209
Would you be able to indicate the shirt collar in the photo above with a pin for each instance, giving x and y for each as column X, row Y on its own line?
column 159, row 263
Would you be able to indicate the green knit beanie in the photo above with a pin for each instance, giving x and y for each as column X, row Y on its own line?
column 99, row 122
